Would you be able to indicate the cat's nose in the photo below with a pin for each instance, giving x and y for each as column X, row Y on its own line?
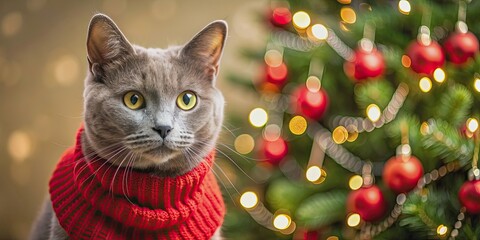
column 163, row 130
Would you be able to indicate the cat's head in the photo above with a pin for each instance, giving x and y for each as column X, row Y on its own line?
column 152, row 108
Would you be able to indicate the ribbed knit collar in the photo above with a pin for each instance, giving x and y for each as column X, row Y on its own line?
column 101, row 200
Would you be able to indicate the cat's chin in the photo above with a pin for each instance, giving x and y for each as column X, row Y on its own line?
column 156, row 157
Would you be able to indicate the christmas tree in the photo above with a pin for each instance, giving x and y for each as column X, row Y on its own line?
column 367, row 126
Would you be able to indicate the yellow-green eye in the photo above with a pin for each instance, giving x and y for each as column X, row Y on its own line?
column 133, row 100
column 186, row 100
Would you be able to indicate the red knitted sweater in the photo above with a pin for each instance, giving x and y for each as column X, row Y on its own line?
column 89, row 200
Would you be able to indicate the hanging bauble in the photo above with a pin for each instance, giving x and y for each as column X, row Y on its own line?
column 367, row 63
column 311, row 235
column 401, row 173
column 425, row 58
column 275, row 77
column 281, row 16
column 274, row 151
column 368, row 202
column 461, row 46
column 312, row 104
column 469, row 196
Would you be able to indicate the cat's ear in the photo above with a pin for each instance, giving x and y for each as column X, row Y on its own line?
column 207, row 46
column 105, row 42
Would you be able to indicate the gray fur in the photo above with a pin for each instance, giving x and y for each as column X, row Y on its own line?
column 126, row 137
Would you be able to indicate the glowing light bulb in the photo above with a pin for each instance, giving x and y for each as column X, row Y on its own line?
column 439, row 75
column 442, row 230
column 258, row 117
column 319, row 31
column 404, row 7
column 353, row 220
column 476, row 84
column 355, row 182
column 244, row 144
column 249, row 200
column 273, row 58
column 348, row 15
column 282, row 221
column 425, row 84
column 301, row 20
column 373, row 112
column 472, row 124
column 297, row 125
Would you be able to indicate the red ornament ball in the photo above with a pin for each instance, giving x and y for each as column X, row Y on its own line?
column 281, row 16
column 276, row 76
column 274, row 151
column 425, row 58
column 367, row 64
column 461, row 46
column 368, row 202
column 469, row 196
column 401, row 174
column 312, row 104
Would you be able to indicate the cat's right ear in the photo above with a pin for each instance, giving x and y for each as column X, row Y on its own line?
column 105, row 43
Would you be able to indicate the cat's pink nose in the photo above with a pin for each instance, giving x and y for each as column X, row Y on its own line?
column 163, row 130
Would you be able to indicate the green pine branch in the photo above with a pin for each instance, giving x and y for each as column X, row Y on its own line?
column 322, row 209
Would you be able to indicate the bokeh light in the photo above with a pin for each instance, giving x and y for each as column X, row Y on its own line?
column 425, row 84
column 301, row 20
column 244, row 144
column 406, row 61
column 476, row 84
column 439, row 75
column 404, row 7
column 373, row 112
column 272, row 132
column 282, row 221
column 19, row 145
column 442, row 230
column 319, row 31
column 273, row 58
column 345, row 1
column 66, row 70
column 353, row 220
column 12, row 23
column 249, row 200
column 355, row 182
column 340, row 135
column 313, row 84
column 472, row 124
column 315, row 174
column 258, row 117
column 424, row 128
column 297, row 125
column 348, row 15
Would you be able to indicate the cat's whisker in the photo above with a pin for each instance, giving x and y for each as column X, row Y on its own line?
column 118, row 168
column 103, row 164
column 189, row 154
column 238, row 166
column 125, row 177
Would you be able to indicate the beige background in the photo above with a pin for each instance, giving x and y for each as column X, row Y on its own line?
column 43, row 63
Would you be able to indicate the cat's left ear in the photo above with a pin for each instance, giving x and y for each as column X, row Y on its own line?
column 207, row 46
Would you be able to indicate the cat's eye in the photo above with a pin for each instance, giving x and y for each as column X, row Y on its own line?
column 133, row 100
column 187, row 100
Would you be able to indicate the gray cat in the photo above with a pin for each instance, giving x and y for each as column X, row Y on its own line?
column 159, row 105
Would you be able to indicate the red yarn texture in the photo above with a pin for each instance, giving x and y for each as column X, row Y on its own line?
column 89, row 200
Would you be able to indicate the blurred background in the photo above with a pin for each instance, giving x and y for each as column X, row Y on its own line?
column 323, row 97
column 42, row 68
